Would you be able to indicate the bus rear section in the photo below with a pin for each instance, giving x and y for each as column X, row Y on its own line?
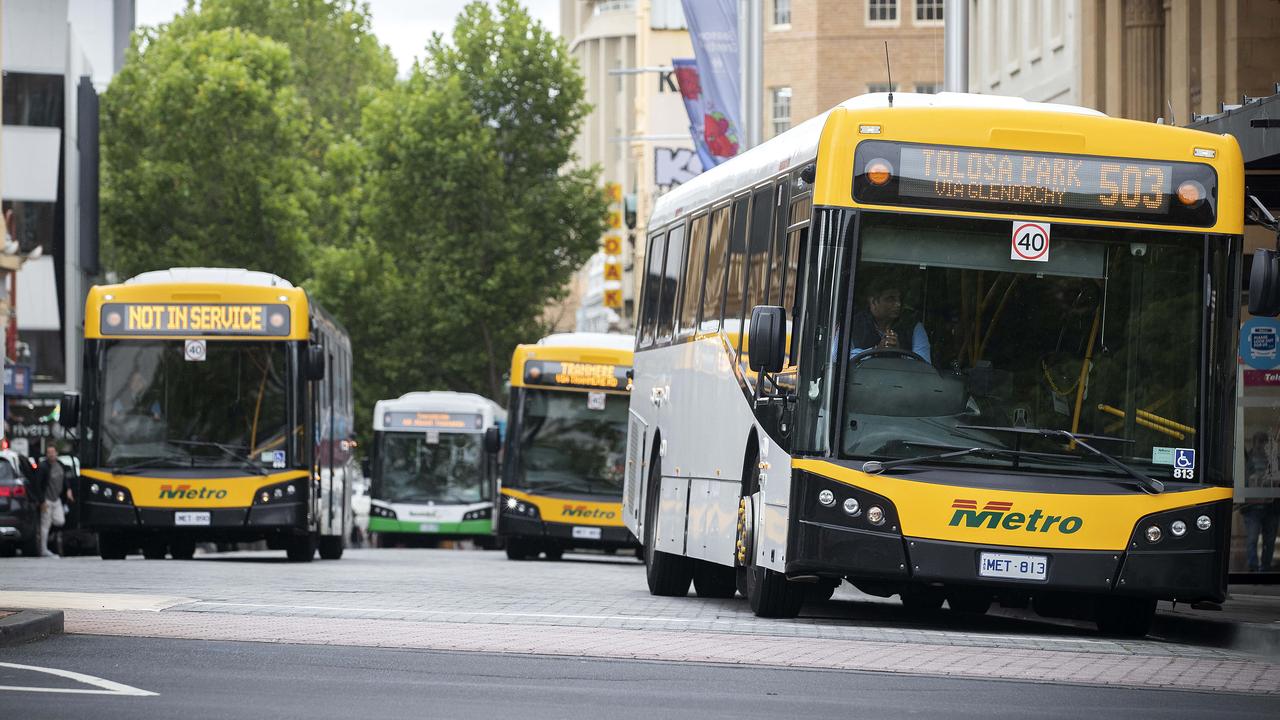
column 565, row 447
column 435, row 469
column 216, row 407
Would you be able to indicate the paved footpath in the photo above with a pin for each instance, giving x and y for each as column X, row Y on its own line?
column 585, row 606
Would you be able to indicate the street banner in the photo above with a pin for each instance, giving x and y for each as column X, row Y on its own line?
column 713, row 28
column 686, row 72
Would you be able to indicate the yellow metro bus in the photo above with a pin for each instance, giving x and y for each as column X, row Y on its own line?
column 566, row 439
column 991, row 357
column 216, row 406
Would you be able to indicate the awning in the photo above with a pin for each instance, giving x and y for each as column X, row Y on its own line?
column 37, row 301
column 29, row 160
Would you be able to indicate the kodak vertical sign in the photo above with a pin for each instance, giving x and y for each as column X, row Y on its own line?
column 611, row 247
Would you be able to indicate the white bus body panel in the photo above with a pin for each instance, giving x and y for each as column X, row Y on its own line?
column 689, row 398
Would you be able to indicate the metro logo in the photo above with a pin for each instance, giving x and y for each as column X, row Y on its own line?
column 186, row 492
column 583, row 511
column 996, row 514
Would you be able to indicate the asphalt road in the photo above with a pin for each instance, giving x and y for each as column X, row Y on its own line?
column 199, row 679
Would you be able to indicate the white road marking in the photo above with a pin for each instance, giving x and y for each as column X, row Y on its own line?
column 103, row 687
column 567, row 616
column 89, row 601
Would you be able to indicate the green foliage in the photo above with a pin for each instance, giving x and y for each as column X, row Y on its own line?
column 203, row 156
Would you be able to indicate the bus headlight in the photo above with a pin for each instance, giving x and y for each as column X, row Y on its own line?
column 875, row 515
column 1178, row 528
column 827, row 498
column 1203, row 522
column 851, row 507
column 478, row 514
column 1153, row 534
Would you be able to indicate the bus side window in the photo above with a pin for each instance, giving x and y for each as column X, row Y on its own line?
column 673, row 271
column 735, row 291
column 717, row 265
column 652, row 283
column 801, row 209
column 778, row 280
column 758, row 242
column 691, row 302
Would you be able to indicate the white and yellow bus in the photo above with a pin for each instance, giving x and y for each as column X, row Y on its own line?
column 566, row 440
column 434, row 468
column 216, row 406
column 991, row 357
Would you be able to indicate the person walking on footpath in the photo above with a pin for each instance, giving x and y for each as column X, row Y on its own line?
column 1261, row 515
column 51, row 484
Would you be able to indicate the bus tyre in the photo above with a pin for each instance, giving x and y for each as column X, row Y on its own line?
column 1125, row 617
column 154, row 548
column 768, row 592
column 922, row 599
column 714, row 581
column 821, row 591
column 183, row 549
column 112, row 546
column 301, row 548
column 667, row 575
column 331, row 547
column 970, row 602
column 553, row 554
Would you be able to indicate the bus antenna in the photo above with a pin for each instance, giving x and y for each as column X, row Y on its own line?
column 888, row 71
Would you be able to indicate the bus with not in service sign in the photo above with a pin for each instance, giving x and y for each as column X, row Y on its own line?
column 216, row 406
column 566, row 440
column 990, row 357
column 434, row 468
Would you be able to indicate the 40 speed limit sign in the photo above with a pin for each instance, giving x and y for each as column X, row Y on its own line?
column 1030, row 242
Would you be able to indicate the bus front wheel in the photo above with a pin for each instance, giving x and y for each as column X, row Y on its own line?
column 768, row 592
column 112, row 546
column 331, row 547
column 301, row 548
column 516, row 549
column 668, row 575
column 182, row 549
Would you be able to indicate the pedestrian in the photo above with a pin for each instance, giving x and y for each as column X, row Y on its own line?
column 1261, row 515
column 51, row 486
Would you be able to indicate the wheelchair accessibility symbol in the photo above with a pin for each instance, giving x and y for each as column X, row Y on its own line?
column 1184, row 464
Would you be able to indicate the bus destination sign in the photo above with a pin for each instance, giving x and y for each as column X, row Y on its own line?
column 1036, row 183
column 597, row 376
column 194, row 319
column 401, row 420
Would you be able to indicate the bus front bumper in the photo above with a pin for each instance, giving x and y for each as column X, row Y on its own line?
column 824, row 541
column 567, row 535
column 116, row 516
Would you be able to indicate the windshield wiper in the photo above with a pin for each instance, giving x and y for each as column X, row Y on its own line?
column 875, row 467
column 1148, row 484
column 149, row 463
column 226, row 449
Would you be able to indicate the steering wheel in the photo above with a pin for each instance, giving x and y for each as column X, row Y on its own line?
column 887, row 352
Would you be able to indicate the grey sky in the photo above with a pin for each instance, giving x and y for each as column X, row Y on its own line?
column 402, row 25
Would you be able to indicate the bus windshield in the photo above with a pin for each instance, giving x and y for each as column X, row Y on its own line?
column 951, row 344
column 160, row 409
column 431, row 467
column 567, row 444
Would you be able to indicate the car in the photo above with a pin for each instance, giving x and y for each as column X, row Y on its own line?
column 19, row 512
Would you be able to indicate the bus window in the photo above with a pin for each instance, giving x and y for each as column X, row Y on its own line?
column 797, row 243
column 670, row 279
column 652, row 282
column 692, row 286
column 778, row 255
column 758, row 243
column 713, row 294
column 735, row 290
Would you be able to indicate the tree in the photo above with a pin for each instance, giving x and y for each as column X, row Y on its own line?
column 204, row 162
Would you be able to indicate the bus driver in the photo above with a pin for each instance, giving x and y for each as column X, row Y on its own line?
column 878, row 326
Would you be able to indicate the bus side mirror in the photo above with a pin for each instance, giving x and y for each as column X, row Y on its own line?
column 69, row 410
column 492, row 441
column 315, row 362
column 767, row 343
column 1264, row 284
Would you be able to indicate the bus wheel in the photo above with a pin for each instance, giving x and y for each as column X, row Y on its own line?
column 301, row 548
column 183, row 549
column 714, row 581
column 822, row 590
column 112, row 546
column 516, row 549
column 1126, row 617
column 154, row 548
column 768, row 592
column 553, row 554
column 970, row 602
column 668, row 575
column 922, row 599
column 331, row 547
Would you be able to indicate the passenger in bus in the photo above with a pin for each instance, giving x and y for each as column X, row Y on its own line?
column 880, row 325
column 131, row 399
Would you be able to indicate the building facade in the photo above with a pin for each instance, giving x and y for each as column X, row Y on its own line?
column 1025, row 48
column 637, row 133
column 820, row 52
column 49, row 165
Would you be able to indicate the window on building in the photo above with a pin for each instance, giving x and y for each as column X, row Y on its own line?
column 929, row 10
column 608, row 6
column 781, row 110
column 929, row 88
column 880, row 11
column 781, row 12
column 879, row 87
